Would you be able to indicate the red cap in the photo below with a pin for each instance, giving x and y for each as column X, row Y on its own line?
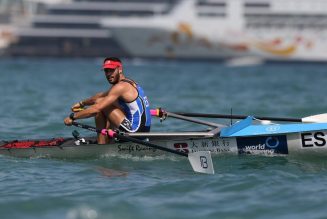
column 111, row 64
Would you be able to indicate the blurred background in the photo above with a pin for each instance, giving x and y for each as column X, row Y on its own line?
column 200, row 55
column 252, row 57
column 240, row 32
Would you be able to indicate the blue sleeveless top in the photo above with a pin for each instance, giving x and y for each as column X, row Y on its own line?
column 137, row 111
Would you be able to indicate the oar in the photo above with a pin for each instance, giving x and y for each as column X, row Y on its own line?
column 162, row 114
column 320, row 118
column 200, row 161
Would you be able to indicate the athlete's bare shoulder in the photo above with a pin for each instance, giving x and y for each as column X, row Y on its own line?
column 120, row 88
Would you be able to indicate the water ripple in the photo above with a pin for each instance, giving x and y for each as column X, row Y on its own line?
column 37, row 95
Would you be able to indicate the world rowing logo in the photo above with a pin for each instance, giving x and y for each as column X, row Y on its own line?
column 272, row 142
column 276, row 144
column 181, row 147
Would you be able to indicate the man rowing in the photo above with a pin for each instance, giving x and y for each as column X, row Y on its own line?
column 124, row 106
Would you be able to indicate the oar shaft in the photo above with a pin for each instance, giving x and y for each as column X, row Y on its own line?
column 185, row 118
column 126, row 138
column 226, row 116
column 88, row 127
column 163, row 114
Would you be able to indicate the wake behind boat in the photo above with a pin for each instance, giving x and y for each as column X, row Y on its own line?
column 243, row 137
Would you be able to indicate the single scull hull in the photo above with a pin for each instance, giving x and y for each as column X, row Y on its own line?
column 305, row 143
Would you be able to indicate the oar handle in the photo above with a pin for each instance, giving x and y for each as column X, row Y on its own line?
column 158, row 112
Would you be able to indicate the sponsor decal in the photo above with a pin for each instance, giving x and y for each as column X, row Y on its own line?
column 214, row 145
column 314, row 139
column 134, row 148
column 263, row 144
column 273, row 128
column 181, row 147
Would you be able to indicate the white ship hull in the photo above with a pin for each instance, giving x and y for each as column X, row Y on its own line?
column 270, row 33
column 159, row 43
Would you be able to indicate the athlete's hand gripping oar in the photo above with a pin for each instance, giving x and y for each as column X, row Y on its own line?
column 320, row 118
column 200, row 161
column 77, row 107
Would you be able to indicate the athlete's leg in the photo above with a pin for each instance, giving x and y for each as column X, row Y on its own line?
column 111, row 117
column 101, row 123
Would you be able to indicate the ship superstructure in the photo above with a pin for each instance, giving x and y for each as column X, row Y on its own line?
column 72, row 28
column 292, row 30
column 282, row 30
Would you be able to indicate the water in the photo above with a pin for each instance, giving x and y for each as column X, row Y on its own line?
column 36, row 95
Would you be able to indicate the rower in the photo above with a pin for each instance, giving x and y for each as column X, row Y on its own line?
column 124, row 106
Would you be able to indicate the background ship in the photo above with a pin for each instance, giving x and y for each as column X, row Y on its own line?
column 71, row 28
column 289, row 30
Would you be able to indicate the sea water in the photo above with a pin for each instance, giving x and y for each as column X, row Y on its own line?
column 36, row 95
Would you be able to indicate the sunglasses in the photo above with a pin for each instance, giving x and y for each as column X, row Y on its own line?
column 109, row 70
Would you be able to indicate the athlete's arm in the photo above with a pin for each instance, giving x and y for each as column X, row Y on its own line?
column 89, row 101
column 92, row 100
column 112, row 96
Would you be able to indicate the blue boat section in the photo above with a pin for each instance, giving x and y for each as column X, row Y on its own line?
column 237, row 127
column 245, row 128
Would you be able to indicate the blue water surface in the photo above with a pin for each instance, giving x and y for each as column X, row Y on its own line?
column 36, row 95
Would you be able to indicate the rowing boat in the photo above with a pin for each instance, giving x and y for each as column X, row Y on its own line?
column 243, row 137
column 251, row 135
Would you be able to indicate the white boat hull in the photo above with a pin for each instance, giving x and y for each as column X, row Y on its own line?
column 307, row 144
